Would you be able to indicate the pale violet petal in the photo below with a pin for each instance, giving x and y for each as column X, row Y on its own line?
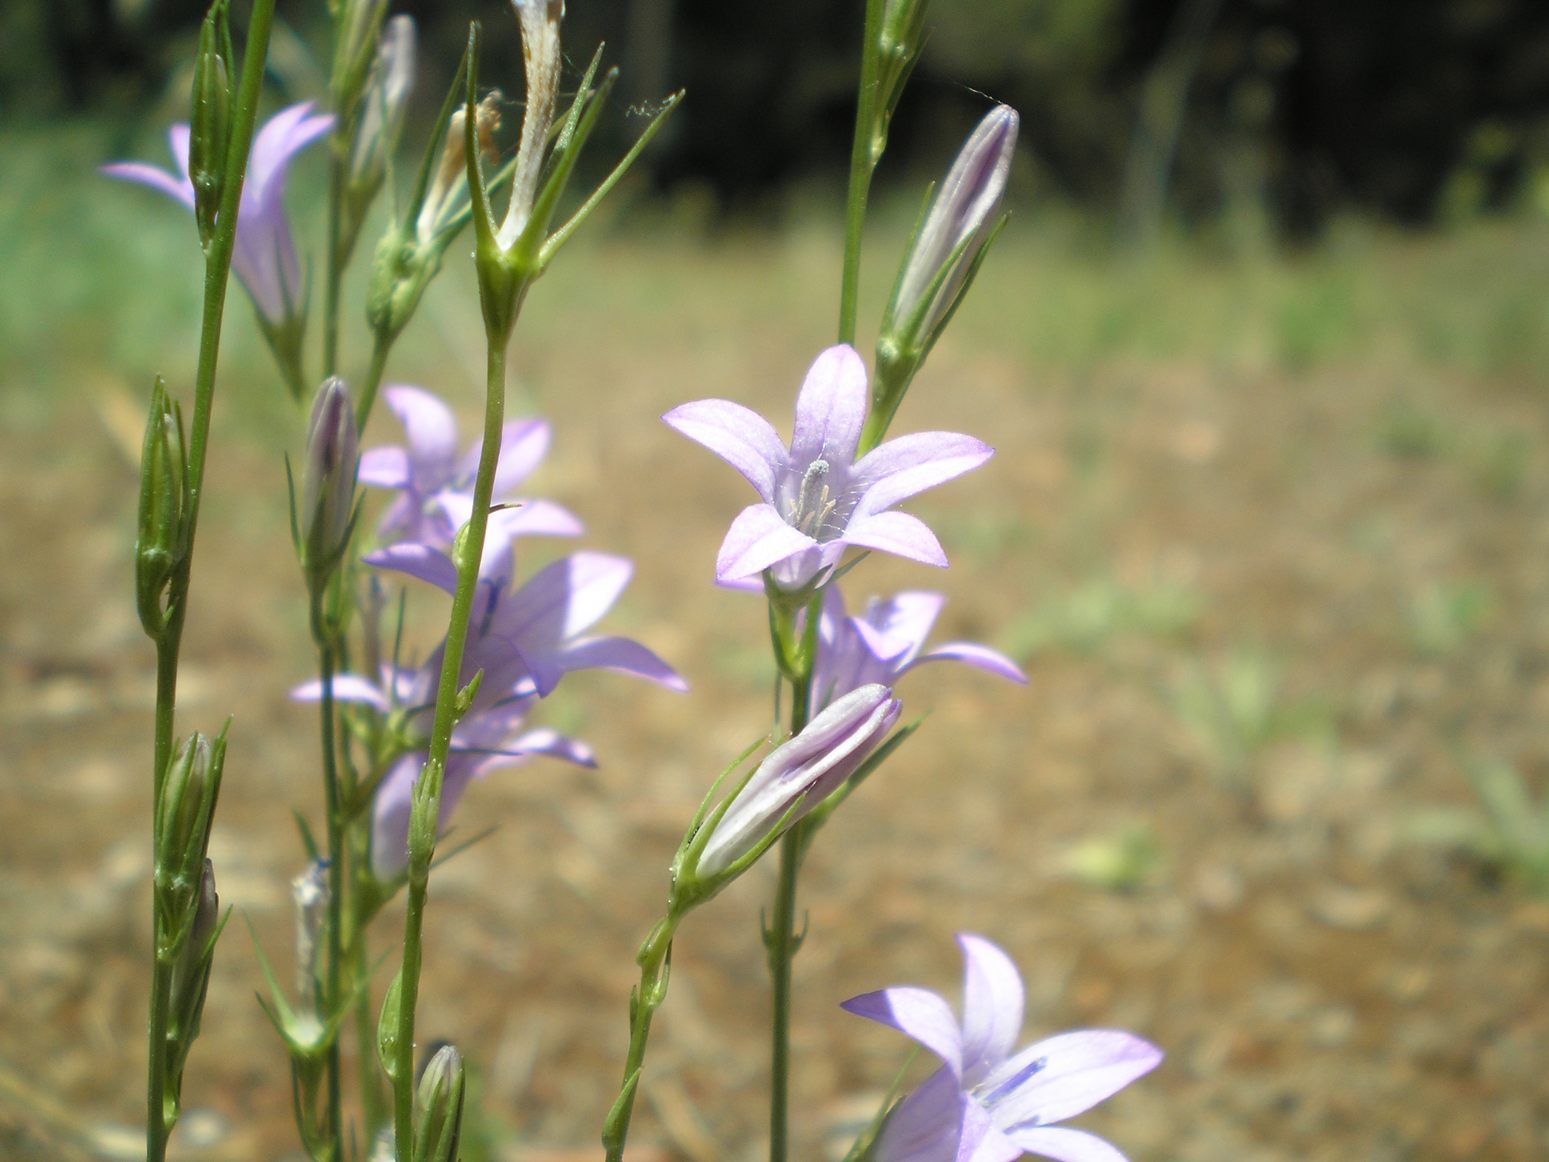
column 386, row 467
column 984, row 1142
column 910, row 464
column 903, row 621
column 917, row 1013
column 1064, row 1145
column 552, row 744
column 432, row 434
column 624, row 655
column 564, row 599
column 1078, row 1070
column 973, row 654
column 897, row 533
column 830, row 409
column 927, row 1126
column 178, row 137
column 992, row 1005
column 283, row 136
column 526, row 518
column 736, row 434
column 523, row 444
column 757, row 539
column 346, row 688
column 156, row 179
column 418, row 561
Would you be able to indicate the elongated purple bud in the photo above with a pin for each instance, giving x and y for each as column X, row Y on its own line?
column 328, row 480
column 382, row 106
column 797, row 776
column 947, row 247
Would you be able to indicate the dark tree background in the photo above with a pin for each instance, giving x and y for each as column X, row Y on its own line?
column 1298, row 108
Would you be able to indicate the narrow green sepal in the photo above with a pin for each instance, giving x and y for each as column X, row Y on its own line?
column 467, row 694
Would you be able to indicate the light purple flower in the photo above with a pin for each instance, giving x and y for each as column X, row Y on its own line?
column 435, row 481
column 989, row 1103
column 884, row 643
column 265, row 255
column 524, row 642
column 816, row 499
column 797, row 776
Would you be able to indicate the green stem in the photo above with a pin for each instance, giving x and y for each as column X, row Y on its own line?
column 366, row 397
column 864, row 154
column 781, row 941
column 653, row 957
column 469, row 553
column 217, row 269
column 333, row 284
column 332, row 997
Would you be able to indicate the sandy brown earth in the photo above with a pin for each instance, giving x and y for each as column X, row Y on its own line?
column 1150, row 536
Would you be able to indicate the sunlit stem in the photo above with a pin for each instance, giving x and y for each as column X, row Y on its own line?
column 795, row 646
column 654, row 958
column 470, row 552
column 217, row 269
column 326, row 635
column 865, row 152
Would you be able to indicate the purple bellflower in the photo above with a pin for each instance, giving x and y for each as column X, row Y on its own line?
column 797, row 776
column 815, row 498
column 435, row 481
column 990, row 1102
column 264, row 257
column 524, row 642
column 884, row 643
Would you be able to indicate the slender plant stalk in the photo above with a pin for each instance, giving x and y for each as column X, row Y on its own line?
column 332, row 997
column 366, row 397
column 333, row 282
column 781, row 939
column 864, row 153
column 653, row 958
column 217, row 269
column 469, row 553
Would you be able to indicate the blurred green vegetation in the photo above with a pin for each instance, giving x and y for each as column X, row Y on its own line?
column 103, row 278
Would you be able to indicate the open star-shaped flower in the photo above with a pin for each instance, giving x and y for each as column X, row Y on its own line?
column 815, row 498
column 989, row 1103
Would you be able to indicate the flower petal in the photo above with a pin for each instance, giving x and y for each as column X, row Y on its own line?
column 346, row 688
column 910, row 464
column 901, row 623
column 624, row 655
column 419, row 561
column 523, row 444
column 917, row 1013
column 736, row 434
column 1078, row 1071
column 431, row 431
column 757, row 539
column 927, row 1126
column 1065, row 1145
column 386, row 467
column 830, row 409
column 156, row 179
column 283, row 136
column 897, row 533
column 536, row 518
column 972, row 653
column 992, row 1006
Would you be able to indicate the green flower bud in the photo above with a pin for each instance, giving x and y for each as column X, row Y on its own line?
column 184, row 814
column 438, row 1104
column 209, row 127
column 164, row 505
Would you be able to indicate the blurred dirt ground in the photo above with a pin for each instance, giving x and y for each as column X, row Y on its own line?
column 1352, row 558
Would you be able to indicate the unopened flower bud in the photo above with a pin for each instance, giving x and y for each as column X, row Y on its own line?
column 948, row 246
column 164, row 502
column 189, row 790
column 191, row 973
column 381, row 116
column 328, row 480
column 439, row 1114
column 209, row 127
column 795, row 778
column 355, row 43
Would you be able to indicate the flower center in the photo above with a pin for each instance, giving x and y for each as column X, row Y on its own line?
column 814, row 503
